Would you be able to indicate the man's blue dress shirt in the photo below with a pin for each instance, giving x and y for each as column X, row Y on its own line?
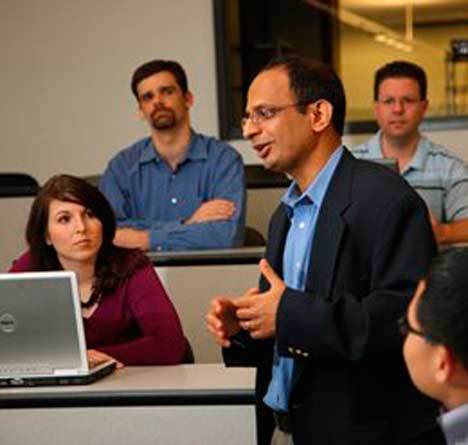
column 146, row 193
column 303, row 211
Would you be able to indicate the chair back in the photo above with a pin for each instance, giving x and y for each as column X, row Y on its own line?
column 17, row 184
column 253, row 237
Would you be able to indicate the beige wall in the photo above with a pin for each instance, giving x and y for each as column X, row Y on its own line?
column 66, row 104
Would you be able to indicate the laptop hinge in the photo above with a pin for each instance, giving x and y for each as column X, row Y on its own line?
column 66, row 372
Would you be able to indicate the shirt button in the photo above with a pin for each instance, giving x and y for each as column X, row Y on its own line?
column 174, row 200
column 301, row 225
column 298, row 264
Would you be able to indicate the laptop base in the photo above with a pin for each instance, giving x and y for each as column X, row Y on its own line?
column 94, row 374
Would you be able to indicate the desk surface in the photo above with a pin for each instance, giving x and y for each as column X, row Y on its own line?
column 240, row 255
column 205, row 384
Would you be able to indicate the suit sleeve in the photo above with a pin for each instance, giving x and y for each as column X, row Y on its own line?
column 349, row 326
column 244, row 350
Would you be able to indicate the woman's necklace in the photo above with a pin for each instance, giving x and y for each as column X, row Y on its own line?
column 95, row 298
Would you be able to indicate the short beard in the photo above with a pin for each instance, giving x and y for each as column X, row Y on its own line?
column 166, row 122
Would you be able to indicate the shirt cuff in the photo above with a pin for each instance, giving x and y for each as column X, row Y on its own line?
column 160, row 237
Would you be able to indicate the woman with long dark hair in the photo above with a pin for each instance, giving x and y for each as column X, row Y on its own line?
column 127, row 314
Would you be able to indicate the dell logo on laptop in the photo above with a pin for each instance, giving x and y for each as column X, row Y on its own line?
column 7, row 323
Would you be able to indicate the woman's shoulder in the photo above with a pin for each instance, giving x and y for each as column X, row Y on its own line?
column 127, row 263
column 118, row 266
column 137, row 274
column 22, row 264
column 132, row 260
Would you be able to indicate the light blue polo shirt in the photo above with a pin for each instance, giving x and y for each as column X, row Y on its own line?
column 439, row 177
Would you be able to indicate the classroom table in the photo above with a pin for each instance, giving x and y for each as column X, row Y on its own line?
column 180, row 405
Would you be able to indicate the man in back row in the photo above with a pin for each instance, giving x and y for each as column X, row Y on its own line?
column 441, row 178
column 177, row 189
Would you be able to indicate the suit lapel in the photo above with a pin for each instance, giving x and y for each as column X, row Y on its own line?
column 330, row 230
column 276, row 242
column 328, row 237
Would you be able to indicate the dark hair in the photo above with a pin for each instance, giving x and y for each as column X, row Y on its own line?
column 443, row 308
column 310, row 81
column 399, row 69
column 156, row 66
column 113, row 263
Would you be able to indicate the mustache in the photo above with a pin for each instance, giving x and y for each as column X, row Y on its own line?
column 159, row 108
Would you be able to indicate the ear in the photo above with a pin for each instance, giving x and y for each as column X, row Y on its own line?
column 320, row 113
column 140, row 114
column 189, row 99
column 425, row 105
column 375, row 108
column 445, row 364
column 48, row 240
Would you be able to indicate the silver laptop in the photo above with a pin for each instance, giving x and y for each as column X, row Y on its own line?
column 42, row 338
column 391, row 163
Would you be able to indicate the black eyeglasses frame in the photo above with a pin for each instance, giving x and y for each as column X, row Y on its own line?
column 405, row 329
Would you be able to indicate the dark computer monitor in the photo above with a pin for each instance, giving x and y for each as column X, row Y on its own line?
column 387, row 162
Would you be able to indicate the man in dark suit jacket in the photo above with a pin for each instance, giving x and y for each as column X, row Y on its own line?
column 346, row 249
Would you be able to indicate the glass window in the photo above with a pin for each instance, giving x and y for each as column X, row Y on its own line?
column 373, row 33
column 355, row 36
column 250, row 33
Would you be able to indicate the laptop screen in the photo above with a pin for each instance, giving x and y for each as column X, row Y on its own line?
column 391, row 163
column 41, row 330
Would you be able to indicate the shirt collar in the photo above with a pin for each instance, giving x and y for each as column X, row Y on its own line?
column 197, row 150
column 315, row 192
column 419, row 159
column 148, row 153
column 374, row 146
column 453, row 423
column 420, row 156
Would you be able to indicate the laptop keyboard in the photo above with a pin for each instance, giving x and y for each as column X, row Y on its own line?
column 11, row 370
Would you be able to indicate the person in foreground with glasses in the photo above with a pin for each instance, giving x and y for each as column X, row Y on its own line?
column 436, row 345
column 346, row 248
column 438, row 175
